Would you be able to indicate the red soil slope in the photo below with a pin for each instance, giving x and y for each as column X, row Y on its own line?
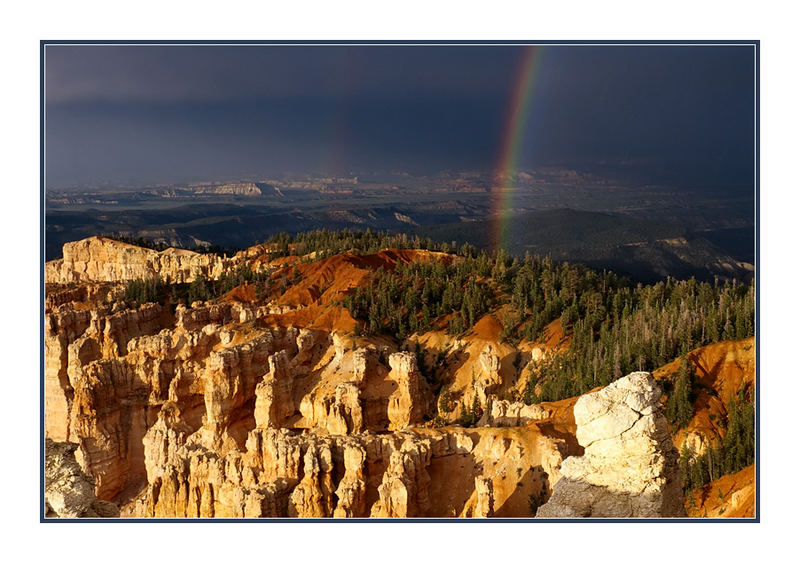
column 327, row 280
column 721, row 370
column 730, row 496
column 320, row 286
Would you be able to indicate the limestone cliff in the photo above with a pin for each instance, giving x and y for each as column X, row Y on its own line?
column 100, row 259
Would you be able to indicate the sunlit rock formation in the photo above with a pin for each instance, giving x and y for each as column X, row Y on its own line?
column 629, row 467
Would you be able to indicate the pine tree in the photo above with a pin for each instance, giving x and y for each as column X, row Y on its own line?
column 687, row 456
column 476, row 412
column 444, row 401
column 680, row 409
column 464, row 416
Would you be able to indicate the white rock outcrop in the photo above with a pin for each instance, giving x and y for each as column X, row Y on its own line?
column 629, row 467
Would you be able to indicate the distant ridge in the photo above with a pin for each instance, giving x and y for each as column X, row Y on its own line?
column 644, row 249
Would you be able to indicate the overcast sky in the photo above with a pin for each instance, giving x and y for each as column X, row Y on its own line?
column 148, row 114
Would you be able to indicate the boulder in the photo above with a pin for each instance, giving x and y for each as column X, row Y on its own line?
column 68, row 491
column 629, row 468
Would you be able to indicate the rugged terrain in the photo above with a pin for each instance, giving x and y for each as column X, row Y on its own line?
column 271, row 406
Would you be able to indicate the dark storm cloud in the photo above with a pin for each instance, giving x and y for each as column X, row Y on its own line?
column 674, row 114
column 231, row 74
column 683, row 114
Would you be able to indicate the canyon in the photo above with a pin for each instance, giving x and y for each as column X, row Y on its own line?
column 245, row 407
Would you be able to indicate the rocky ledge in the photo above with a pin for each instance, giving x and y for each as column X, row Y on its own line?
column 101, row 259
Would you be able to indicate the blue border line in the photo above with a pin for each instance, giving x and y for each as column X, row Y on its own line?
column 755, row 520
column 356, row 43
column 757, row 104
column 41, row 280
column 523, row 520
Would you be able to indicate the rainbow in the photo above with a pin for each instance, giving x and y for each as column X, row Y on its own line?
column 513, row 137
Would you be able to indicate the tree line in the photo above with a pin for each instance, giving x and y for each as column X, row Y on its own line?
column 324, row 243
column 221, row 251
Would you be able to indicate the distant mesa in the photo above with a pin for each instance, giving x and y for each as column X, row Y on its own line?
column 239, row 188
